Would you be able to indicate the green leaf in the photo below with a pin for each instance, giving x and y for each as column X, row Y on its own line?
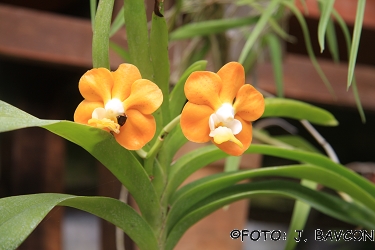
column 232, row 163
column 19, row 215
column 309, row 48
column 315, row 159
column 12, row 118
column 197, row 159
column 332, row 41
column 300, row 214
column 137, row 37
column 255, row 33
column 100, row 39
column 92, row 12
column 210, row 27
column 297, row 142
column 289, row 108
column 122, row 52
column 327, row 7
column 117, row 23
column 277, row 62
column 356, row 38
column 177, row 98
column 328, row 204
column 196, row 191
column 102, row 146
column 160, row 62
column 345, row 31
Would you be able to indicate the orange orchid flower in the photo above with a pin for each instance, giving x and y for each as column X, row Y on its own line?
column 120, row 102
column 221, row 108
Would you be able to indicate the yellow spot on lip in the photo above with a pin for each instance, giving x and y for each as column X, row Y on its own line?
column 223, row 134
column 105, row 123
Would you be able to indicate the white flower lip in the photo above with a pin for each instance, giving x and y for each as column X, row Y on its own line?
column 223, row 126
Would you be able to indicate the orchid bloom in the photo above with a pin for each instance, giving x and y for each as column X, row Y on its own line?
column 120, row 102
column 221, row 108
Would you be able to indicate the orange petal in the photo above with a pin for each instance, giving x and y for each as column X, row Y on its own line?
column 245, row 137
column 124, row 77
column 84, row 111
column 194, row 122
column 137, row 130
column 249, row 104
column 96, row 84
column 203, row 87
column 233, row 77
column 145, row 97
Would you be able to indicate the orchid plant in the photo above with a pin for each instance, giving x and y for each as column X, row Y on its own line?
column 133, row 124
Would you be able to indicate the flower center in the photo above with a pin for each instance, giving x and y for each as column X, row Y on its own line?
column 112, row 116
column 223, row 126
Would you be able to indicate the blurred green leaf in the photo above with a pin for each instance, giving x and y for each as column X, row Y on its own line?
column 332, row 41
column 289, row 108
column 327, row 7
column 309, row 48
column 277, row 63
column 100, row 39
column 297, row 142
column 259, row 26
column 300, row 214
column 92, row 12
column 346, row 33
column 19, row 216
column 122, row 52
column 210, row 27
column 356, row 38
column 117, row 23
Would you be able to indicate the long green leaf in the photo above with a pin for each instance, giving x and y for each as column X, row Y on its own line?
column 117, row 23
column 328, row 204
column 298, row 110
column 177, row 98
column 198, row 190
column 266, row 15
column 102, row 146
column 327, row 7
column 277, row 63
column 333, row 45
column 356, row 38
column 100, row 39
column 122, row 52
column 19, row 215
column 300, row 214
column 92, row 12
column 137, row 37
column 345, row 31
column 210, row 27
column 160, row 62
column 309, row 48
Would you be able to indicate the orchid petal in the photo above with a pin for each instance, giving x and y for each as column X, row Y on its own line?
column 124, row 77
column 96, row 84
column 145, row 96
column 137, row 130
column 84, row 111
column 233, row 77
column 195, row 122
column 245, row 137
column 249, row 104
column 202, row 88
